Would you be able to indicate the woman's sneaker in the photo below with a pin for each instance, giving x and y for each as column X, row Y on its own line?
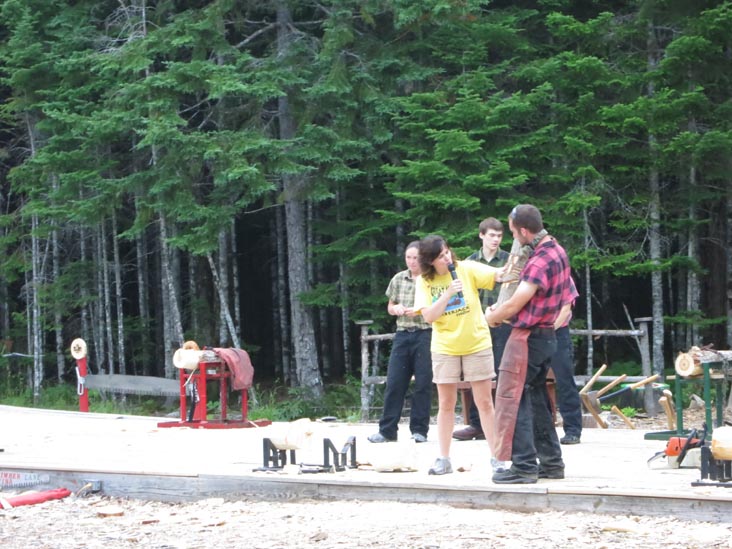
column 498, row 466
column 442, row 466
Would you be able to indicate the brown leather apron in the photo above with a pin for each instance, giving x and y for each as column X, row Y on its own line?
column 511, row 380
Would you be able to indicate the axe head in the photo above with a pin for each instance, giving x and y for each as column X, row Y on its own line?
column 591, row 400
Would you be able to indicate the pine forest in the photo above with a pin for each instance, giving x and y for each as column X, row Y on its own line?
column 247, row 173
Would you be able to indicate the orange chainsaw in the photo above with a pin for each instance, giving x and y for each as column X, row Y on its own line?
column 678, row 447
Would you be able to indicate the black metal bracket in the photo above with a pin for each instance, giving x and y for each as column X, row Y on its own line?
column 719, row 470
column 274, row 459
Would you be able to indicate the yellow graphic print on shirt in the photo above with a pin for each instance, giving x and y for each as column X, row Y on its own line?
column 462, row 328
column 456, row 305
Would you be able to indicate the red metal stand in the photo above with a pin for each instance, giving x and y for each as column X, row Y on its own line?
column 82, row 391
column 205, row 372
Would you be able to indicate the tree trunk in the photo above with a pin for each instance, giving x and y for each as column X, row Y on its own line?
column 192, row 316
column 57, row 316
column 306, row 359
column 36, row 325
column 142, row 297
column 220, row 290
column 306, row 363
column 121, row 364
column 728, row 247
column 693, row 287
column 345, row 297
column 588, row 294
column 84, row 290
column 107, row 297
column 587, row 275
column 221, row 280
column 279, row 293
column 235, row 281
column 4, row 303
column 654, row 213
column 97, row 318
column 174, row 333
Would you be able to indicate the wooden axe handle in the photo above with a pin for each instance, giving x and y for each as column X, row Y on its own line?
column 617, row 411
column 670, row 397
column 610, row 385
column 593, row 379
column 643, row 382
column 590, row 408
column 629, row 388
column 670, row 418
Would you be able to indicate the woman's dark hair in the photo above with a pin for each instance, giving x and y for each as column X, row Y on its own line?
column 430, row 248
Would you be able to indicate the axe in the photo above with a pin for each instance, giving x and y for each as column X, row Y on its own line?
column 590, row 383
column 594, row 401
column 583, row 396
column 590, row 397
column 667, row 402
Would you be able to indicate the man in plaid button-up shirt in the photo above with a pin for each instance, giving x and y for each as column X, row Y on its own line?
column 410, row 356
column 532, row 310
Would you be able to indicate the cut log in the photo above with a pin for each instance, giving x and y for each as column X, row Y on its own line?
column 691, row 363
column 686, row 367
column 512, row 270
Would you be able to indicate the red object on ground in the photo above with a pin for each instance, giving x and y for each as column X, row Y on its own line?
column 33, row 498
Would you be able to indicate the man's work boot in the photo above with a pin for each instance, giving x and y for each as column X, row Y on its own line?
column 468, row 433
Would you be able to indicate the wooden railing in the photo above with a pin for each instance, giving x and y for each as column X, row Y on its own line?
column 370, row 361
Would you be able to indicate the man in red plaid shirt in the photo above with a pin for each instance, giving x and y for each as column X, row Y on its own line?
column 523, row 411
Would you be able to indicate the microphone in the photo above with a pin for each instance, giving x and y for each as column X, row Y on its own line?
column 453, row 274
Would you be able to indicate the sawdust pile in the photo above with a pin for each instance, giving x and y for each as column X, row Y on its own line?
column 694, row 418
column 101, row 522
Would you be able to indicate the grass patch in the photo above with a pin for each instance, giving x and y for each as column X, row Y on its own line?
column 276, row 403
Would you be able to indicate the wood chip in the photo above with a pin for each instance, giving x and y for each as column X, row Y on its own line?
column 110, row 511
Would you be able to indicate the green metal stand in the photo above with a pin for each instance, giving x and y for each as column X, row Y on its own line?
column 707, row 379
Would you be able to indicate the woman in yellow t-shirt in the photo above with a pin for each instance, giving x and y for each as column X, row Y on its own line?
column 461, row 340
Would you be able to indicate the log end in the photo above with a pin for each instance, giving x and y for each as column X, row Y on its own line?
column 686, row 366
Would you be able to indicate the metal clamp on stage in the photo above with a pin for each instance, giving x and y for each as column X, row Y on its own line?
column 274, row 457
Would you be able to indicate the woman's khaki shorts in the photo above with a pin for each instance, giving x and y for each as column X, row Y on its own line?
column 453, row 369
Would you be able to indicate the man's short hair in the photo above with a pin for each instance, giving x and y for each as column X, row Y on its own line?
column 527, row 216
column 490, row 223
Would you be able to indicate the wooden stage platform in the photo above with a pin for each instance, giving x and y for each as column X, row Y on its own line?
column 130, row 456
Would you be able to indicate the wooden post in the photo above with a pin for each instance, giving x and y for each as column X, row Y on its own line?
column 365, row 395
column 644, row 344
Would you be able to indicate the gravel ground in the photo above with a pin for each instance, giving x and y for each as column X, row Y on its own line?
column 101, row 522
